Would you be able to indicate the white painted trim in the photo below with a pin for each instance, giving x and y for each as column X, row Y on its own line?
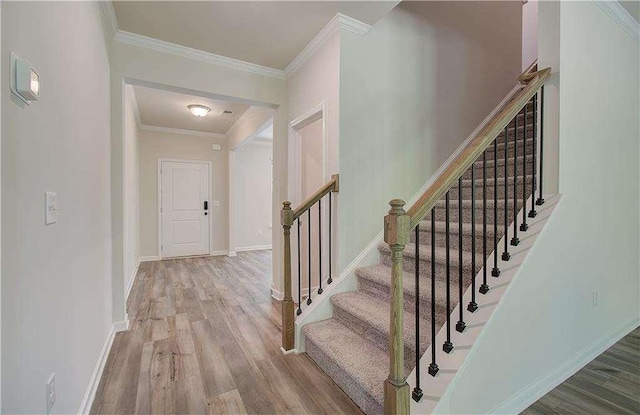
column 219, row 253
column 285, row 352
column 253, row 248
column 534, row 391
column 277, row 294
column 232, row 253
column 319, row 112
column 109, row 18
column 132, row 280
column 240, row 120
column 190, row 53
column 136, row 107
column 149, row 258
column 210, row 216
column 181, row 131
column 96, row 375
column 339, row 21
column 621, row 17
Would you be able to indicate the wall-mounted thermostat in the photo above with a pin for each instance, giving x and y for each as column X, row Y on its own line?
column 216, row 147
column 25, row 81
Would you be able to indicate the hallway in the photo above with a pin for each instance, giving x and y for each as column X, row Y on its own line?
column 205, row 338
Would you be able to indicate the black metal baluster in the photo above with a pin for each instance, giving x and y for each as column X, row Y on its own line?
column 532, row 212
column 540, row 198
column 473, row 306
column 320, row 246
column 299, row 311
column 460, row 324
column 309, row 258
column 484, row 288
column 330, row 280
column 433, row 367
column 505, row 255
column 496, row 271
column 515, row 241
column 523, row 225
column 417, row 392
column 448, row 346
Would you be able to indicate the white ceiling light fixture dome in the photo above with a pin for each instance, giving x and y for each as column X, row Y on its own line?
column 199, row 110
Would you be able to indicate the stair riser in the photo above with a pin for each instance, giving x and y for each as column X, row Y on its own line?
column 425, row 239
column 519, row 132
column 441, row 272
column 383, row 293
column 365, row 401
column 491, row 173
column 454, row 214
column 491, row 190
column 378, row 338
column 510, row 150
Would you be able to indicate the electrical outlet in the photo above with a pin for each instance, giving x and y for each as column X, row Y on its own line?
column 51, row 392
column 596, row 300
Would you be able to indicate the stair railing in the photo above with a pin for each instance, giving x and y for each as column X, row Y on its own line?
column 399, row 224
column 290, row 307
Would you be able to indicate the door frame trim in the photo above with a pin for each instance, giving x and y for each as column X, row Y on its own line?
column 318, row 112
column 159, row 175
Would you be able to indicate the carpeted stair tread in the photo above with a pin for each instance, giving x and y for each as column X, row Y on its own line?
column 354, row 363
column 372, row 315
column 491, row 182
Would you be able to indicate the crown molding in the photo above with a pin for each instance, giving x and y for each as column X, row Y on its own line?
column 109, row 17
column 339, row 21
column 195, row 54
column 159, row 129
column 621, row 17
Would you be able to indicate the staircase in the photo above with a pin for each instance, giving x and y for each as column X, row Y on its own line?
column 353, row 346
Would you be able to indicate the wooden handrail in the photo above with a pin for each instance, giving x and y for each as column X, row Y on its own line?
column 287, row 217
column 331, row 186
column 477, row 146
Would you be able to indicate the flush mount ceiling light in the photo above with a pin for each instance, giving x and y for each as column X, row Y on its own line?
column 199, row 110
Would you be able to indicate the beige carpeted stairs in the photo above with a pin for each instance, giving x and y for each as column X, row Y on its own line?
column 352, row 347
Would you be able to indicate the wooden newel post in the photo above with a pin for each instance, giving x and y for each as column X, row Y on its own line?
column 396, row 234
column 288, row 306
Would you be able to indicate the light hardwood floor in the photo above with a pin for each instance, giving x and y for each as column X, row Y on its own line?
column 610, row 384
column 205, row 337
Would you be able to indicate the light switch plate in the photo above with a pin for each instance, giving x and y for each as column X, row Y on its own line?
column 50, row 208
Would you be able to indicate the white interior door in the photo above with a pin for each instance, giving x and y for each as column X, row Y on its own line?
column 184, row 211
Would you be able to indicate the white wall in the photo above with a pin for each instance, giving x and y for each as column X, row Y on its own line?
column 529, row 33
column 153, row 68
column 546, row 323
column 411, row 91
column 132, row 204
column 155, row 145
column 56, row 279
column 250, row 123
column 252, row 188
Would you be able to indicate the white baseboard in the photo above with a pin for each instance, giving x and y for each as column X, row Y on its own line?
column 132, row 280
column 232, row 253
column 536, row 390
column 219, row 253
column 94, row 381
column 253, row 248
column 149, row 258
column 276, row 294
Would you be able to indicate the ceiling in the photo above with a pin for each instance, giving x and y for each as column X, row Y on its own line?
column 169, row 109
column 268, row 33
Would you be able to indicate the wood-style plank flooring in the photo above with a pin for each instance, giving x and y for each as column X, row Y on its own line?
column 610, row 384
column 205, row 337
